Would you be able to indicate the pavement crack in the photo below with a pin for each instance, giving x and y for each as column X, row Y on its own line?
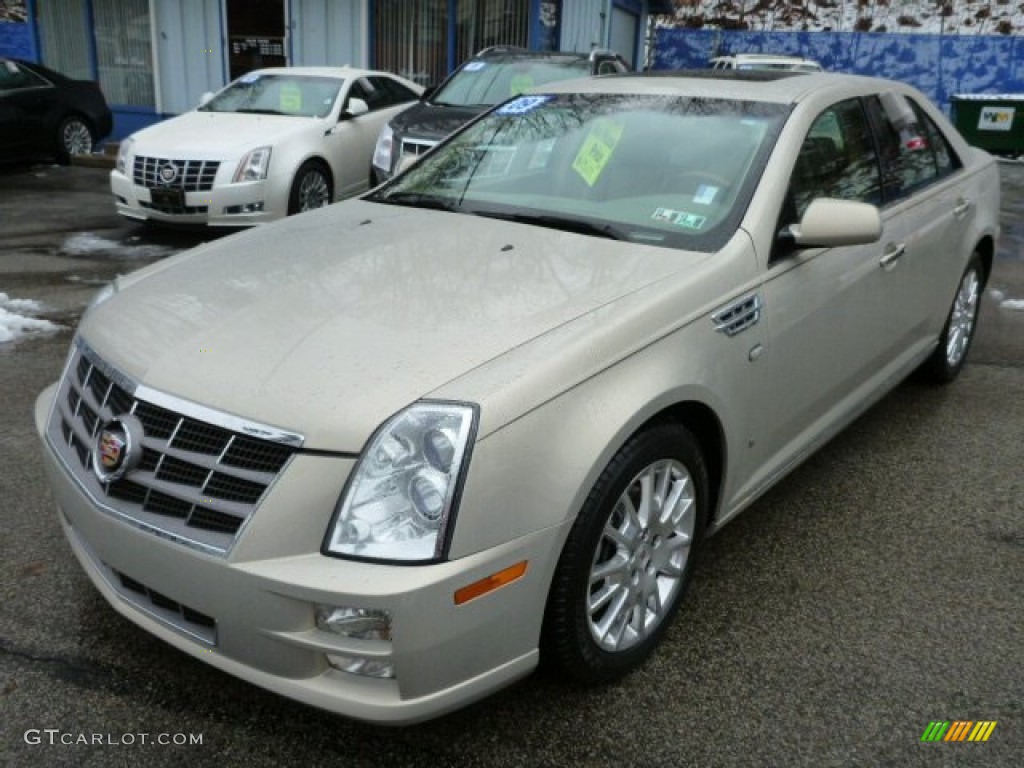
column 70, row 669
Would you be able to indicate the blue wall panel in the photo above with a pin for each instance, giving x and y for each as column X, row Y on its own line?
column 18, row 41
column 939, row 65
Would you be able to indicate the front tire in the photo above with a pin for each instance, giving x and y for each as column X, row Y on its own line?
column 311, row 188
column 949, row 356
column 74, row 137
column 628, row 558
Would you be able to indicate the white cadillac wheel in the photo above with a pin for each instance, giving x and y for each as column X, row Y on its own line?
column 310, row 189
column 628, row 558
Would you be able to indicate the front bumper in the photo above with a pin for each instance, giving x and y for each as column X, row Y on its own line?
column 251, row 613
column 225, row 205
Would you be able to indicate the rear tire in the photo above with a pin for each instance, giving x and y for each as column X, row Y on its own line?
column 628, row 559
column 949, row 356
column 312, row 188
column 74, row 137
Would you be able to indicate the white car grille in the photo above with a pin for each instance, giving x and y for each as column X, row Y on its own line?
column 188, row 175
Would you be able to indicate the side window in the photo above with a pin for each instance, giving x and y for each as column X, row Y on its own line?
column 946, row 160
column 909, row 157
column 366, row 90
column 14, row 78
column 394, row 92
column 837, row 159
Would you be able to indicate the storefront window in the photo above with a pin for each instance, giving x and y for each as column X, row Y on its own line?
column 419, row 40
column 64, row 35
column 123, row 53
column 411, row 38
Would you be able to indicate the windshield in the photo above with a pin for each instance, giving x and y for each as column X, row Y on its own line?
column 660, row 170
column 486, row 83
column 278, row 94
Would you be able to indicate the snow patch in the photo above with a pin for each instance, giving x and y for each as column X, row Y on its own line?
column 14, row 324
column 91, row 244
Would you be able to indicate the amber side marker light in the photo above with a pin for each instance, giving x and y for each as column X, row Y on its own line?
column 491, row 583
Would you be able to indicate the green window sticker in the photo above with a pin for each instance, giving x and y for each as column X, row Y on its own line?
column 682, row 219
column 597, row 150
column 690, row 220
column 290, row 97
column 520, row 84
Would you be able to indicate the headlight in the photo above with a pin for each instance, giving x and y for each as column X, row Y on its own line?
column 124, row 152
column 382, row 152
column 399, row 503
column 254, row 165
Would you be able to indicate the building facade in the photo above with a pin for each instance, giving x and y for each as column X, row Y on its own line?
column 155, row 58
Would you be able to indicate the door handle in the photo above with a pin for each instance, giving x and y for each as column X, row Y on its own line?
column 892, row 255
column 963, row 205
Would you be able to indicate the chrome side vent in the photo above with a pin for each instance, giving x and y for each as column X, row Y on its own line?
column 738, row 316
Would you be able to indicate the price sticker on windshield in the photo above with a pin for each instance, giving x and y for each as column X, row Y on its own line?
column 520, row 84
column 597, row 150
column 290, row 98
column 523, row 104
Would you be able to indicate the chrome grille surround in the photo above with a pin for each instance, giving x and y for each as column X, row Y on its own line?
column 189, row 175
column 202, row 473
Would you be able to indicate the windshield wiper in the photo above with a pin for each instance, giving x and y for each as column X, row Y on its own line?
column 417, row 200
column 255, row 111
column 564, row 223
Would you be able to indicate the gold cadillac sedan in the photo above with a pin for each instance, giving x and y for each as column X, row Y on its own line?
column 385, row 456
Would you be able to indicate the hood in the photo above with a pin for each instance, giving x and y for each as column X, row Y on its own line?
column 329, row 322
column 218, row 134
column 433, row 121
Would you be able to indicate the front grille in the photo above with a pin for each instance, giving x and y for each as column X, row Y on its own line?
column 189, row 175
column 196, row 481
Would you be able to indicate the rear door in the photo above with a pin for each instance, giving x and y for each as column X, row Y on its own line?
column 922, row 186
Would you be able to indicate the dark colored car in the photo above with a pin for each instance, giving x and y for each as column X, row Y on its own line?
column 45, row 114
column 490, row 77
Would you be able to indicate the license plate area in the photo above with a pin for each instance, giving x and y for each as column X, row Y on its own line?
column 167, row 198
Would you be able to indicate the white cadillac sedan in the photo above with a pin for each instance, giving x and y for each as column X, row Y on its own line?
column 273, row 143
column 384, row 457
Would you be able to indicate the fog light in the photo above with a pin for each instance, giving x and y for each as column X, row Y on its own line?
column 356, row 665
column 359, row 623
column 233, row 210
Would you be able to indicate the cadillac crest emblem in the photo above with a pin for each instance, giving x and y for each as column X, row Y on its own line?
column 117, row 448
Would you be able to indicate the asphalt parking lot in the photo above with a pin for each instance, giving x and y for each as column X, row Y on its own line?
column 878, row 588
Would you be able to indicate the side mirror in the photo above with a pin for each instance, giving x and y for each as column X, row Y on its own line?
column 828, row 223
column 356, row 107
column 205, row 98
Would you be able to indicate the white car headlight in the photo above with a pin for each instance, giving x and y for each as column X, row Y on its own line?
column 398, row 504
column 124, row 153
column 254, row 165
column 382, row 152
